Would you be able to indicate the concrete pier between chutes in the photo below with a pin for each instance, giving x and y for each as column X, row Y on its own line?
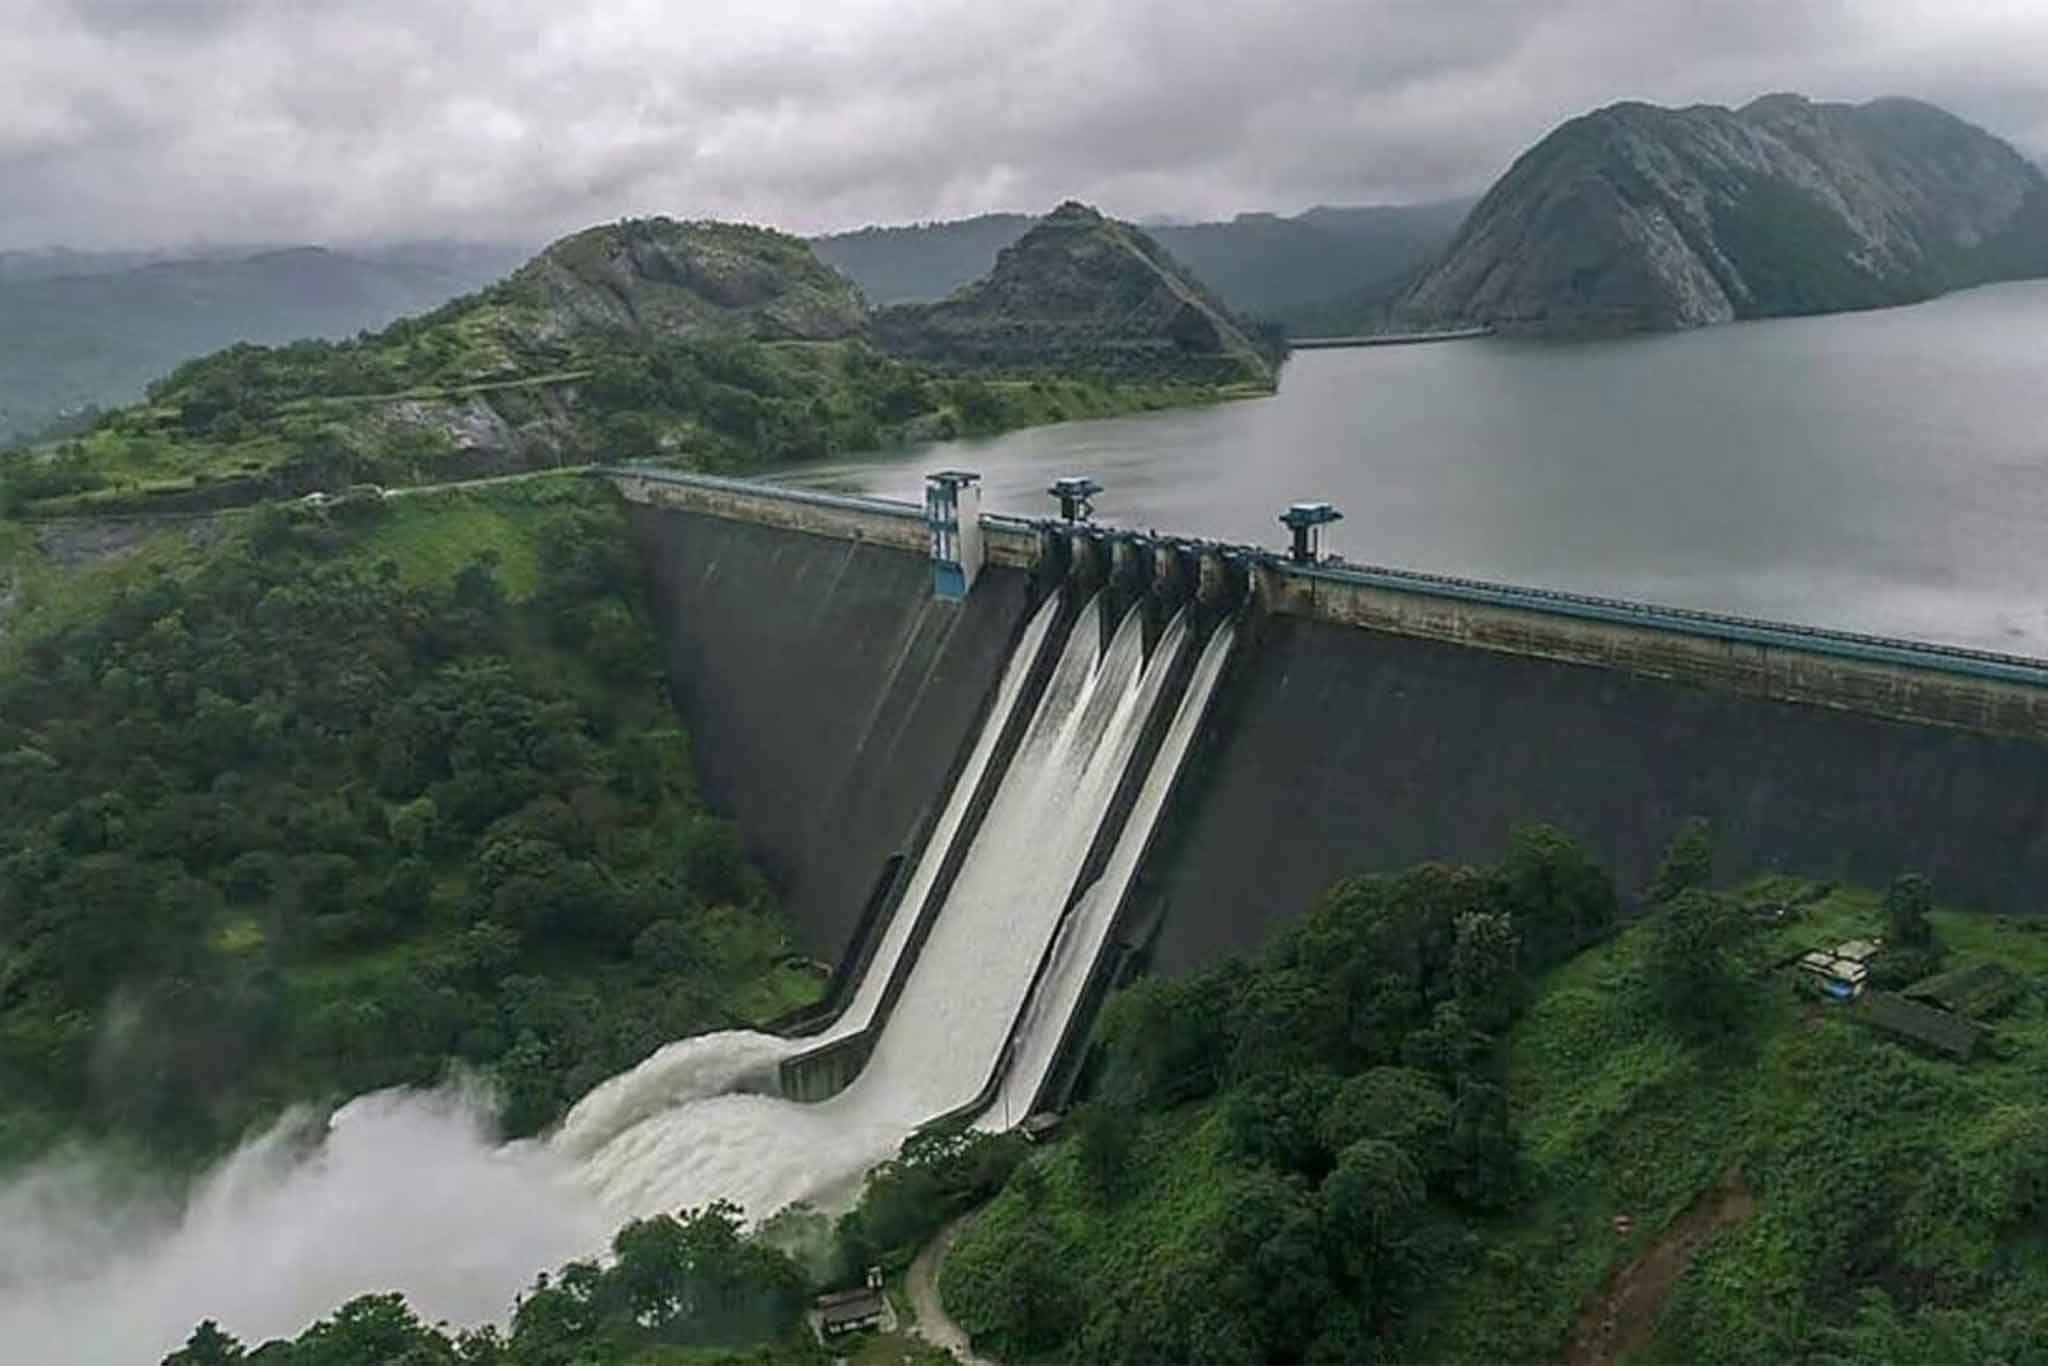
column 1365, row 719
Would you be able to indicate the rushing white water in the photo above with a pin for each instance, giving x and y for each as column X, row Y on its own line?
column 942, row 1041
column 404, row 1190
column 1081, row 938
column 1009, row 692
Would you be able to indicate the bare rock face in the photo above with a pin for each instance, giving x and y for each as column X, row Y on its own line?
column 670, row 278
column 1641, row 218
column 1080, row 293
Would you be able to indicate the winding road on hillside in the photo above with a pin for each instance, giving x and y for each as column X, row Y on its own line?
column 922, row 1285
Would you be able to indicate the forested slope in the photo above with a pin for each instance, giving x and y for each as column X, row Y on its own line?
column 1421, row 1128
column 327, row 799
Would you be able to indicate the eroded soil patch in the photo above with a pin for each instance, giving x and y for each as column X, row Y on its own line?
column 1622, row 1318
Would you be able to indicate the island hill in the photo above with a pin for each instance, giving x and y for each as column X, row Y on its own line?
column 713, row 345
column 1636, row 218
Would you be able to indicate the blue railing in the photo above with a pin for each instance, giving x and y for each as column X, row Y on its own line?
column 1785, row 635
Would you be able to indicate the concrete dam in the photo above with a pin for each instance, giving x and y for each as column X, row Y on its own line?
column 988, row 760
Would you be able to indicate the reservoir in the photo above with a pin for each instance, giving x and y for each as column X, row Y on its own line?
column 1883, row 472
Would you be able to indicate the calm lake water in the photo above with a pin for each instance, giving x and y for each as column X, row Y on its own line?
column 1883, row 472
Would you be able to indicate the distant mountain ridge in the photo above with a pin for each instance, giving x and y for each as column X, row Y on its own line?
column 79, row 329
column 1637, row 217
column 1287, row 269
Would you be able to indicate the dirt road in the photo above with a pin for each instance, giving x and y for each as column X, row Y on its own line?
column 922, row 1285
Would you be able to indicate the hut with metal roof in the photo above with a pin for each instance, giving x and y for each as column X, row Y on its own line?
column 1979, row 991
column 1940, row 1030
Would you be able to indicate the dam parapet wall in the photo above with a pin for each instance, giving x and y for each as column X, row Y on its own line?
column 1906, row 680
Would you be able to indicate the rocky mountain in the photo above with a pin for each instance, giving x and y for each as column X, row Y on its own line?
column 82, row 329
column 1261, row 264
column 1081, row 293
column 1637, row 217
column 661, row 277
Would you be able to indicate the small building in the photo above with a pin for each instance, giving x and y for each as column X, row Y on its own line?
column 853, row 1311
column 1842, row 972
column 1977, row 992
column 1939, row 1030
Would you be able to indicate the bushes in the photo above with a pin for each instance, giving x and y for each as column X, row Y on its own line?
column 937, row 1176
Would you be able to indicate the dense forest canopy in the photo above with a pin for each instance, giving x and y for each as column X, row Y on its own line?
column 324, row 811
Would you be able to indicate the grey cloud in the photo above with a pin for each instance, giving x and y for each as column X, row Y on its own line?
column 151, row 121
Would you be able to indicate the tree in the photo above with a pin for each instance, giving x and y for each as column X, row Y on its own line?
column 1286, row 1018
column 1369, row 1201
column 413, row 825
column 1687, row 864
column 208, row 1346
column 1688, row 971
column 1907, row 904
column 1485, row 1161
column 1042, row 1302
column 1166, row 1040
column 1276, row 1118
column 1448, row 1048
column 1105, row 1136
column 1486, row 967
column 372, row 1328
column 1559, row 898
column 1395, row 1105
column 1371, row 1192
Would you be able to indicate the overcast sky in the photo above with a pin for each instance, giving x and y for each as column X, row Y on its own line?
column 148, row 122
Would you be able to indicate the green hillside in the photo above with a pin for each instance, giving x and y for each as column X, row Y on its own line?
column 306, row 802
column 711, row 345
column 1382, row 1142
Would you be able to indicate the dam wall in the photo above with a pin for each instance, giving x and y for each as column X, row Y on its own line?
column 827, row 693
column 1368, row 719
column 1929, row 684
column 1342, row 751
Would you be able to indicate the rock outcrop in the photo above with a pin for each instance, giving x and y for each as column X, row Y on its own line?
column 1642, row 218
column 678, row 279
column 1080, row 294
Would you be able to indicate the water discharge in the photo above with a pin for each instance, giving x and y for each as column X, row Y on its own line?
column 1081, row 937
column 949, row 1026
column 404, row 1190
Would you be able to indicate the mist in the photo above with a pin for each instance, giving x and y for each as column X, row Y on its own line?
column 402, row 1190
column 399, row 1191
